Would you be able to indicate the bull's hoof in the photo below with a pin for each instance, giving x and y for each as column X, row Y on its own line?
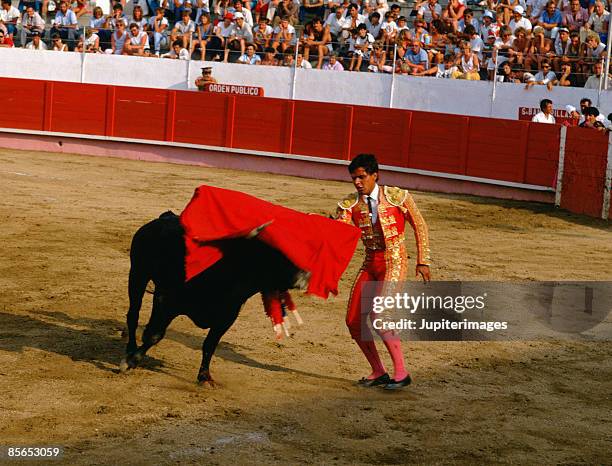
column 206, row 380
column 130, row 361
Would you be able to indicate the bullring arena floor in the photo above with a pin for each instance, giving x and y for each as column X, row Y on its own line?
column 66, row 226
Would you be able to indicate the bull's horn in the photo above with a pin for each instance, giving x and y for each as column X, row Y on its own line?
column 255, row 231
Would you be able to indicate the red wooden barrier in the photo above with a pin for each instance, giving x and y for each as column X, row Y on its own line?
column 586, row 153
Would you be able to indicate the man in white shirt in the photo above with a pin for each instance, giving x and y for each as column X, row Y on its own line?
column 36, row 43
column 545, row 77
column 250, row 57
column 284, row 35
column 30, row 22
column 546, row 113
column 594, row 80
column 177, row 52
column 10, row 16
column 183, row 29
column 335, row 23
column 65, row 24
column 518, row 20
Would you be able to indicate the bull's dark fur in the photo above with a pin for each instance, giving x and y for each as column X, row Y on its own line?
column 211, row 300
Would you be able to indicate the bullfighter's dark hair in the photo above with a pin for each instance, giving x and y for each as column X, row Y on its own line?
column 544, row 103
column 366, row 161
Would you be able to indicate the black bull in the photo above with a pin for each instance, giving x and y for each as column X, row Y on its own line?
column 211, row 300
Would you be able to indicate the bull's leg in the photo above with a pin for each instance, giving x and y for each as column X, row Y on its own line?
column 155, row 330
column 211, row 341
column 137, row 285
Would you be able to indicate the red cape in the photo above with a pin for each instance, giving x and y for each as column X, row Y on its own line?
column 316, row 244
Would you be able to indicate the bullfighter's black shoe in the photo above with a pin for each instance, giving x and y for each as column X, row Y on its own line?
column 396, row 385
column 381, row 380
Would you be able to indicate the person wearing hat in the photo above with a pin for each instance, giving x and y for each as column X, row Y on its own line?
column 574, row 116
column 489, row 31
column 242, row 35
column 183, row 29
column 37, row 43
column 562, row 47
column 206, row 78
column 31, row 21
column 223, row 32
column 518, row 20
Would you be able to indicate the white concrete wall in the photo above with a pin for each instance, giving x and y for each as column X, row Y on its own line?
column 427, row 94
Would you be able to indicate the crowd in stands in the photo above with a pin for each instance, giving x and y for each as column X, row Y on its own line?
column 534, row 42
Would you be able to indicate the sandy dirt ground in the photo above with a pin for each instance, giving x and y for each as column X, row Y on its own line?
column 67, row 222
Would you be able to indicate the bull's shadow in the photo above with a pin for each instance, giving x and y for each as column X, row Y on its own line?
column 99, row 342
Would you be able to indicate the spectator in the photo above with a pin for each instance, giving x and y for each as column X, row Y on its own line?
column 374, row 25
column 65, row 23
column 489, row 31
column 576, row 18
column 101, row 26
column 507, row 75
column 443, row 70
column 546, row 113
column 132, row 5
column 137, row 42
column 354, row 19
column 521, row 46
column 598, row 21
column 389, row 31
column 57, row 44
column 5, row 40
column 36, row 43
column 31, row 21
column 284, row 35
column 416, row 59
column 262, row 34
column 468, row 20
column 545, row 77
column 567, row 78
column 286, row 9
column 118, row 16
column 518, row 20
column 468, row 64
column 378, row 59
column 301, row 63
column 592, row 52
column 241, row 35
column 178, row 52
column 562, row 48
column 261, row 10
column 118, row 39
column 183, row 30
column 92, row 41
column 595, row 80
column 223, row 32
column 550, row 20
column 540, row 49
column 332, row 63
column 80, row 8
column 269, row 57
column 316, row 39
column 204, row 32
column 535, row 8
column 246, row 13
column 250, row 57
column 591, row 115
column 10, row 16
column 454, row 12
column 361, row 47
column 138, row 18
column 428, row 10
column 336, row 22
column 312, row 8
column 206, row 78
column 157, row 29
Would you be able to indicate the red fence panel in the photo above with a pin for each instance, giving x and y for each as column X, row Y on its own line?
column 78, row 108
column 22, row 104
column 321, row 130
column 496, row 149
column 263, row 126
column 543, row 154
column 201, row 118
column 140, row 113
column 383, row 132
column 586, row 153
column 437, row 142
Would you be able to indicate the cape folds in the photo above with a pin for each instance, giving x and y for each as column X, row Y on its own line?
column 313, row 243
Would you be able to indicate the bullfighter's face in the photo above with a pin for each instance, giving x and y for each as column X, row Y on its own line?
column 363, row 181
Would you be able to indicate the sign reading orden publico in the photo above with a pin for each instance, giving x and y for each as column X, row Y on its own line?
column 234, row 89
